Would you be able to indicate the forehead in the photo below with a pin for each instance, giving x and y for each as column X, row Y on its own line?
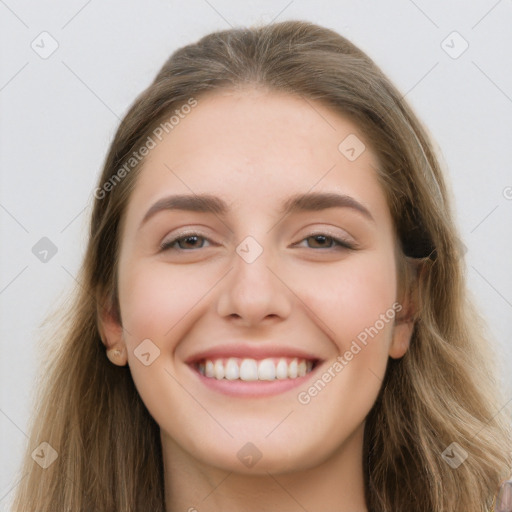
column 254, row 147
column 258, row 125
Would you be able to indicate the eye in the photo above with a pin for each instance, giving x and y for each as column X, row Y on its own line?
column 189, row 241
column 324, row 241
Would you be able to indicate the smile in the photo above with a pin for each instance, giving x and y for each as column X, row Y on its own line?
column 253, row 370
column 248, row 369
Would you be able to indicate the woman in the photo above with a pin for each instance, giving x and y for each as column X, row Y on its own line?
column 275, row 276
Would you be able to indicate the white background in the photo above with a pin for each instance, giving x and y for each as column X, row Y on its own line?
column 58, row 116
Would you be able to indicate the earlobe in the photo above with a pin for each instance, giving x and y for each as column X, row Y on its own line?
column 404, row 323
column 111, row 334
column 402, row 333
column 117, row 357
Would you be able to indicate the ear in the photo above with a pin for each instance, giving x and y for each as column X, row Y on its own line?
column 402, row 333
column 405, row 319
column 111, row 331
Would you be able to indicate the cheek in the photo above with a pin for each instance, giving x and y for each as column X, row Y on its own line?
column 351, row 296
column 154, row 300
column 159, row 303
column 357, row 307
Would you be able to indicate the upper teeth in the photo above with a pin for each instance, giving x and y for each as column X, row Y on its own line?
column 251, row 369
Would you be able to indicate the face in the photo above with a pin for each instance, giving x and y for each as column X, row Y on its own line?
column 250, row 316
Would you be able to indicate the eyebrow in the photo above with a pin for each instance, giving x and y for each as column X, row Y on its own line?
column 207, row 203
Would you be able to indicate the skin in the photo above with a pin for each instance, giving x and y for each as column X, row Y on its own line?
column 254, row 149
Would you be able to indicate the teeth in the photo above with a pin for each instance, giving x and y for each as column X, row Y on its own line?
column 209, row 370
column 292, row 369
column 251, row 370
column 302, row 368
column 232, row 371
column 218, row 370
column 282, row 369
column 267, row 370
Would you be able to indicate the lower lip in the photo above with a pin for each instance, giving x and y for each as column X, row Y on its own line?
column 256, row 388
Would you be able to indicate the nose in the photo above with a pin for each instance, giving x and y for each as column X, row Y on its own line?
column 253, row 292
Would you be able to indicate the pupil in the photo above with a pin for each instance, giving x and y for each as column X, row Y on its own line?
column 187, row 240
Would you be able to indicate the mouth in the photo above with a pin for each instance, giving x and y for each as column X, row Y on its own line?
column 252, row 370
column 251, row 377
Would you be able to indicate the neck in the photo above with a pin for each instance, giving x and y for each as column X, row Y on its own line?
column 335, row 484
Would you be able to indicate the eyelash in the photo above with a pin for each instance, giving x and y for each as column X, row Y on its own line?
column 340, row 243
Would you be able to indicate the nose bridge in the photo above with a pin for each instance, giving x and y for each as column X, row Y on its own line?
column 252, row 279
column 251, row 266
column 252, row 291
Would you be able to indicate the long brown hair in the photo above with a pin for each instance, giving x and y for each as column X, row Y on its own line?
column 442, row 391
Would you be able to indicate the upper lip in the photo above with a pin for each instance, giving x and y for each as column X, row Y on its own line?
column 247, row 351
